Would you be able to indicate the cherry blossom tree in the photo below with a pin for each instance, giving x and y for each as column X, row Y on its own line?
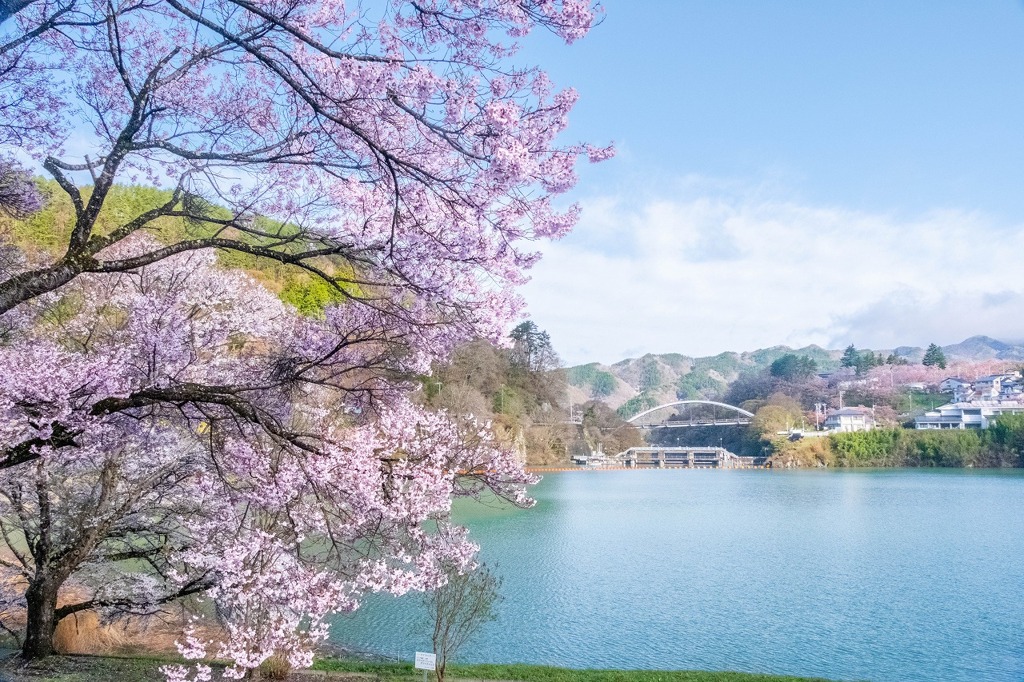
column 19, row 196
column 280, row 525
column 389, row 149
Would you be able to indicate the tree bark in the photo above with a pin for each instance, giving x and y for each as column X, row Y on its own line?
column 27, row 285
column 8, row 8
column 41, row 598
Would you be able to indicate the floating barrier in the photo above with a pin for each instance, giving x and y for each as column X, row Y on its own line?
column 549, row 470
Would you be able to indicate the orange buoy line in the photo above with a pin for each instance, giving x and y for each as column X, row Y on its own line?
column 544, row 470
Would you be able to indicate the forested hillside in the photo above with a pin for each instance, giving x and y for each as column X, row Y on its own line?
column 522, row 390
column 636, row 384
column 42, row 236
column 792, row 391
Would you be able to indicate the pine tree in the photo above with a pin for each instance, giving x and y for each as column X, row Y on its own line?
column 934, row 356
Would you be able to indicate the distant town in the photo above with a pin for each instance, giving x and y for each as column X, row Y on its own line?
column 974, row 404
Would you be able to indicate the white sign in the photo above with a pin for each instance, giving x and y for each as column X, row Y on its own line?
column 425, row 661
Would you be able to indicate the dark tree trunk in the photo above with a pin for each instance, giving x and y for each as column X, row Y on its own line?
column 8, row 8
column 28, row 285
column 41, row 598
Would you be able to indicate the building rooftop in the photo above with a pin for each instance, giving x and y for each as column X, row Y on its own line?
column 850, row 411
column 983, row 403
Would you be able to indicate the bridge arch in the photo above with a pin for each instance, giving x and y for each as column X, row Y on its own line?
column 740, row 410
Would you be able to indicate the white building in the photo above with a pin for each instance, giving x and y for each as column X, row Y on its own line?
column 987, row 387
column 977, row 414
column 1011, row 389
column 1004, row 386
column 952, row 384
column 850, row 419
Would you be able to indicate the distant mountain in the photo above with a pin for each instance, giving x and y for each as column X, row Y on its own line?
column 912, row 353
column 637, row 383
column 984, row 348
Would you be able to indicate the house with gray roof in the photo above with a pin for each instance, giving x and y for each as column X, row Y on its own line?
column 850, row 419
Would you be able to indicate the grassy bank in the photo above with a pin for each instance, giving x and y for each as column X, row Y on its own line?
column 144, row 669
column 80, row 668
column 404, row 672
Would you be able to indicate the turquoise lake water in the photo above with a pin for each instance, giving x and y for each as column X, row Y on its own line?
column 885, row 575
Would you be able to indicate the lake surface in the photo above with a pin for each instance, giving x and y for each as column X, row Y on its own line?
column 885, row 575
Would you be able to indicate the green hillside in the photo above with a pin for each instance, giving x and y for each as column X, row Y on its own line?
column 44, row 237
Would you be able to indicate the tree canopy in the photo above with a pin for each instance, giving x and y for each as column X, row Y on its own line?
column 934, row 356
column 793, row 368
column 532, row 348
column 390, row 151
column 862, row 361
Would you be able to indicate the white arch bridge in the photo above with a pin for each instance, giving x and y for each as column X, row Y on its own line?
column 686, row 417
column 688, row 456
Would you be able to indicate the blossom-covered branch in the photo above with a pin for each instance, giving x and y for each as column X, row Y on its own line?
column 366, row 143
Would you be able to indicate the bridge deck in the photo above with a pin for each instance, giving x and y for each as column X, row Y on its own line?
column 691, row 457
column 680, row 424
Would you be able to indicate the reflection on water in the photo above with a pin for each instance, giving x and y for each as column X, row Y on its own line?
column 882, row 575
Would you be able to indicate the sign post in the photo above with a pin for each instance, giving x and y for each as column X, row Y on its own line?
column 425, row 662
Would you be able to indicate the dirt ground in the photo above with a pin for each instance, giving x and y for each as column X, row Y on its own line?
column 115, row 669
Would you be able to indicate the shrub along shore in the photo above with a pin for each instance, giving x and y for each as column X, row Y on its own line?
column 1000, row 446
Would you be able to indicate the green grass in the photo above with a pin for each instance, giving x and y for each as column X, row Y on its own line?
column 914, row 402
column 394, row 672
column 84, row 669
column 146, row 669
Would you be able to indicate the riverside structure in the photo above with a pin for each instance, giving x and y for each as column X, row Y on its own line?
column 684, row 457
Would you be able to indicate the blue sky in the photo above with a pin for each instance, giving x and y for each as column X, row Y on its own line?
column 791, row 172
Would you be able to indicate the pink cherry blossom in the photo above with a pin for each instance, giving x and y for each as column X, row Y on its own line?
column 152, row 400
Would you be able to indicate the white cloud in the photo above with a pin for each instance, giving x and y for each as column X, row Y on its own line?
column 712, row 269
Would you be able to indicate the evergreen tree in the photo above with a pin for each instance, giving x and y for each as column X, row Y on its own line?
column 793, row 368
column 532, row 348
column 603, row 384
column 934, row 356
column 860, row 360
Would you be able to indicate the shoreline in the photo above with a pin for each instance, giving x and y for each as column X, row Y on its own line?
column 872, row 467
column 145, row 668
column 521, row 672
